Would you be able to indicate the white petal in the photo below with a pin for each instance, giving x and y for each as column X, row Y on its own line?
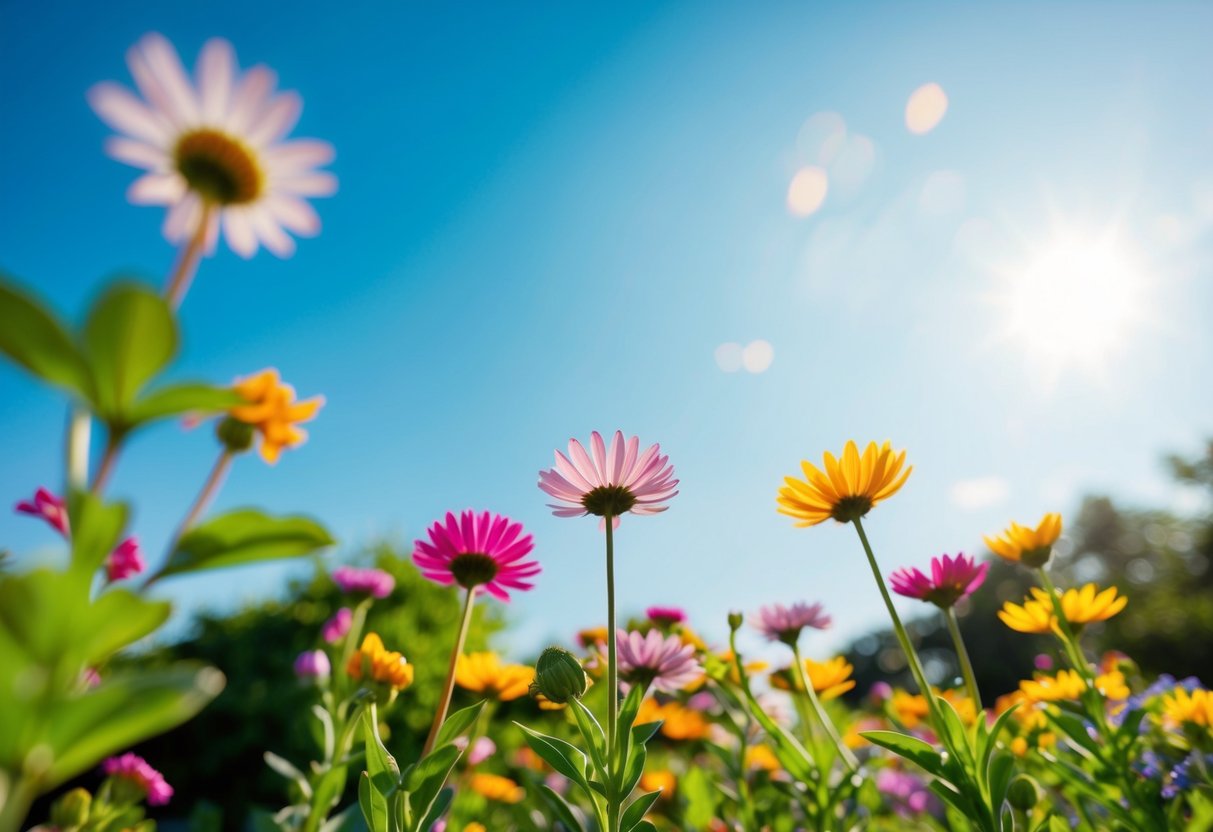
column 122, row 111
column 298, row 155
column 319, row 183
column 161, row 78
column 182, row 218
column 294, row 214
column 249, row 99
column 137, row 153
column 156, row 189
column 271, row 233
column 238, row 231
column 276, row 120
column 215, row 73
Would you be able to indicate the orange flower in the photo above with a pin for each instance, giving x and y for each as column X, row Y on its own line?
column 661, row 780
column 909, row 708
column 485, row 674
column 273, row 411
column 761, row 757
column 375, row 662
column 677, row 721
column 496, row 787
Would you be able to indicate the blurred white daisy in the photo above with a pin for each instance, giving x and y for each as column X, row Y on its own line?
column 215, row 149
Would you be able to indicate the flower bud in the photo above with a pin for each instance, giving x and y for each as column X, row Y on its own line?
column 559, row 676
column 72, row 809
column 1023, row 793
column 236, row 436
column 735, row 621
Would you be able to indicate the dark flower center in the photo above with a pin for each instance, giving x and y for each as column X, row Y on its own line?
column 1036, row 558
column 473, row 569
column 945, row 596
column 220, row 168
column 851, row 508
column 614, row 500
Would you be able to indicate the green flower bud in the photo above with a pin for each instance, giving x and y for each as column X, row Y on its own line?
column 235, row 435
column 1023, row 793
column 72, row 809
column 559, row 676
column 735, row 621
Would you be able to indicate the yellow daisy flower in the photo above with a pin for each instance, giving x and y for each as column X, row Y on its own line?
column 1026, row 545
column 375, row 662
column 1180, row 707
column 496, row 787
column 830, row 679
column 484, row 673
column 847, row 489
column 1066, row 685
column 1080, row 606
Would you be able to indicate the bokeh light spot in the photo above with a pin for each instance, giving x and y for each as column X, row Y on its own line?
column 925, row 108
column 728, row 357
column 807, row 191
column 757, row 356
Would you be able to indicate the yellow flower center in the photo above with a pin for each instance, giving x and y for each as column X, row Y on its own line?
column 219, row 167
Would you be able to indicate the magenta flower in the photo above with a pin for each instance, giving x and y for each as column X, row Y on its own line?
column 780, row 623
column 313, row 664
column 338, row 626
column 664, row 662
column 49, row 507
column 371, row 582
column 951, row 579
column 90, row 677
column 666, row 615
column 135, row 770
column 612, row 482
column 477, row 550
column 125, row 561
column 909, row 794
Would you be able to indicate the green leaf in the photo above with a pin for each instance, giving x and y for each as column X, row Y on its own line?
column 425, row 780
column 96, row 527
column 696, row 789
column 33, row 338
column 641, row 734
column 244, row 536
column 457, row 723
column 560, row 755
column 128, row 338
column 372, row 803
column 176, row 399
column 286, row 768
column 645, row 826
column 913, row 749
column 437, row 807
column 564, row 813
column 635, row 812
column 633, row 771
column 1002, row 768
column 380, row 765
column 989, row 740
column 592, row 733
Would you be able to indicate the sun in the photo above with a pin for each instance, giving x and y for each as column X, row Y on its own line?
column 1075, row 302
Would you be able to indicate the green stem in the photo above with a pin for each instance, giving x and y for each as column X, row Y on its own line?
column 962, row 655
column 15, row 805
column 613, row 755
column 187, row 261
column 357, row 622
column 106, row 467
column 1068, row 638
column 822, row 717
column 449, row 688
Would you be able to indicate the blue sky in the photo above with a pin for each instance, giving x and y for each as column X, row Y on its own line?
column 552, row 216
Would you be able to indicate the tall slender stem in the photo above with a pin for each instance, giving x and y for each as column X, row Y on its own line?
column 449, row 688
column 187, row 261
column 209, row 489
column 1068, row 637
column 79, row 430
column 106, row 467
column 962, row 656
column 851, row 762
column 613, row 757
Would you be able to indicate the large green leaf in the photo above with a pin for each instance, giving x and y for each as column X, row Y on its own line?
column 244, row 536
column 560, row 755
column 96, row 527
column 635, row 812
column 176, row 399
column 33, row 338
column 425, row 780
column 913, row 749
column 458, row 722
column 128, row 338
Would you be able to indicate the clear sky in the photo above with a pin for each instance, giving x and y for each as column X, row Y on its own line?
column 560, row 217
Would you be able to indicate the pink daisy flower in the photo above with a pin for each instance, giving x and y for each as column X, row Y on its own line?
column 373, row 582
column 134, row 769
column 49, row 507
column 338, row 625
column 611, row 480
column 652, row 659
column 214, row 147
column 125, row 561
column 666, row 615
column 951, row 579
column 477, row 549
column 780, row 623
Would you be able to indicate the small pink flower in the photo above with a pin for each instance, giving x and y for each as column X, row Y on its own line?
column 780, row 623
column 373, row 582
column 1042, row 661
column 880, row 692
column 613, row 481
column 338, row 626
column 134, row 769
column 478, row 549
column 49, row 507
column 313, row 664
column 482, row 748
column 125, row 561
column 951, row 579
column 90, row 677
column 664, row 662
column 666, row 615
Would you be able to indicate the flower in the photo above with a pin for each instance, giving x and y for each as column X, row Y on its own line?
column 482, row 748
column 830, row 679
column 909, row 708
column 484, row 673
column 1080, row 606
column 273, row 411
column 615, row 481
column 496, row 787
column 663, row 662
column 666, row 616
column 49, row 507
column 214, row 149
column 1029, row 546
column 661, row 780
column 1066, row 685
column 376, row 663
column 951, row 579
column 761, row 757
column 133, row 769
column 592, row 637
column 477, row 549
column 125, row 561
column 678, row 722
column 338, row 625
column 848, row 489
column 1181, row 707
column 558, row 677
column 780, row 623
column 909, row 794
column 374, row 583
column 313, row 664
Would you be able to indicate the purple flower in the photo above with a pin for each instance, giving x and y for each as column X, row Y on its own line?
column 1043, row 661
column 125, row 561
column 663, row 662
column 313, row 664
column 49, row 507
column 134, row 769
column 908, row 794
column 338, row 626
column 951, row 579
column 666, row 615
column 780, row 623
column 373, row 582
